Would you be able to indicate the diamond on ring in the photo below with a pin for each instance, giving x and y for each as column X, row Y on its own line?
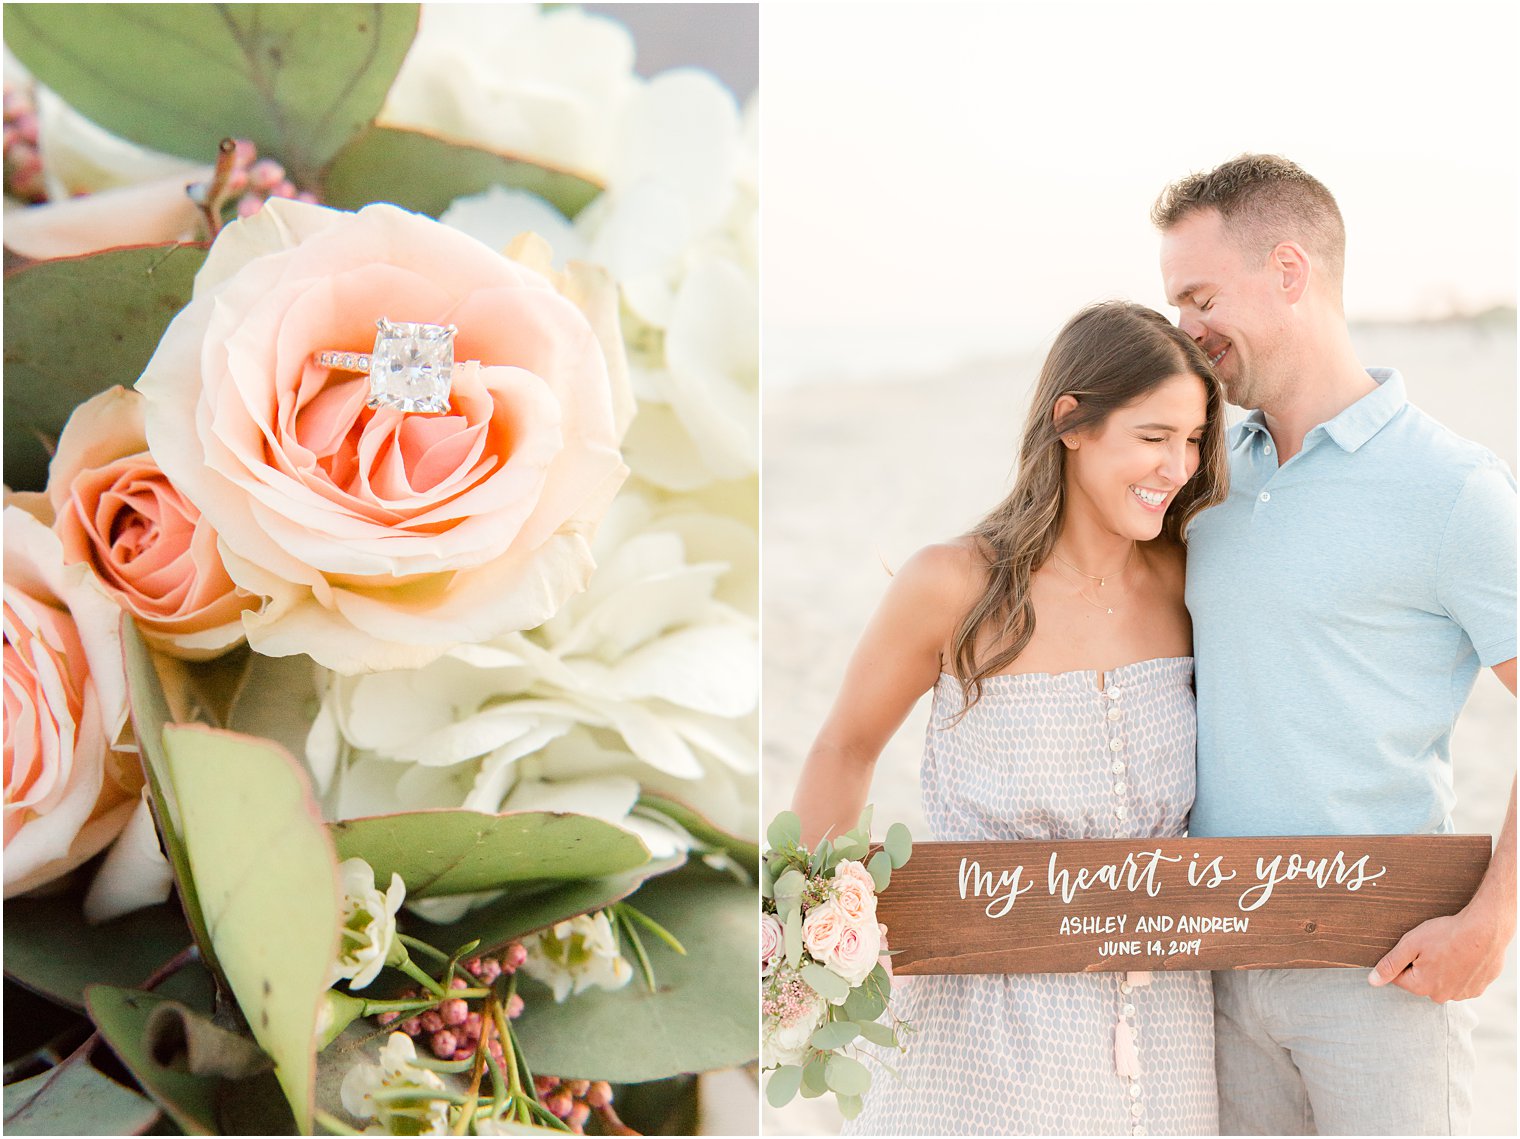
column 410, row 368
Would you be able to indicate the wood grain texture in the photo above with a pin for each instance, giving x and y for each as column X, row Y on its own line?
column 1107, row 906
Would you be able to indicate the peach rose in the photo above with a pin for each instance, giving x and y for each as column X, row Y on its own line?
column 68, row 791
column 147, row 545
column 381, row 539
column 821, row 929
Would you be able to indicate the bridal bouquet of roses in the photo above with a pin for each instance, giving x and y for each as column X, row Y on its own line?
column 380, row 572
column 823, row 987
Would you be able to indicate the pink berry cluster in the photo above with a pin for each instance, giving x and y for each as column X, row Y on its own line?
column 788, row 997
column 573, row 1100
column 252, row 181
column 23, row 161
column 452, row 1030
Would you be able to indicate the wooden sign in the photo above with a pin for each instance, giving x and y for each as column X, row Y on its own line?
column 1181, row 903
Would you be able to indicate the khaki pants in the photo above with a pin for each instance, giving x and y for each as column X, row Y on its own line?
column 1322, row 1052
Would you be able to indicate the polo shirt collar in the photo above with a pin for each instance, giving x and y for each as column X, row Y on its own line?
column 1370, row 414
column 1357, row 423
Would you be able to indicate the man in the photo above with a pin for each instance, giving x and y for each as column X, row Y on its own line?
column 1343, row 601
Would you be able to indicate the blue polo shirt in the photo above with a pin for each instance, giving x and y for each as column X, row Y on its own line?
column 1342, row 606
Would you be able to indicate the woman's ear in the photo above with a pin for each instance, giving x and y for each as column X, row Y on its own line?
column 1064, row 406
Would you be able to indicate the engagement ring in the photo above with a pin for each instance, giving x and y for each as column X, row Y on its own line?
column 409, row 369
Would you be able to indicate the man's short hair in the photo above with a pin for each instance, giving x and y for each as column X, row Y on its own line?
column 1263, row 200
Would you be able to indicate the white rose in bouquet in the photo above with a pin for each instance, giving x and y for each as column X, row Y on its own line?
column 793, row 1012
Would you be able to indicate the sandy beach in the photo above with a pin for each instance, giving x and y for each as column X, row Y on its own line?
column 858, row 476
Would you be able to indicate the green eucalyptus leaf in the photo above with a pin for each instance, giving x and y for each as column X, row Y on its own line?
column 864, row 825
column 422, row 172
column 834, row 1034
column 742, row 850
column 783, row 1085
column 810, row 1092
column 847, row 1076
column 829, row 985
column 77, row 326
column 821, row 854
column 75, row 1099
column 122, row 1017
column 52, row 950
column 880, row 867
column 849, row 846
column 849, row 1105
column 864, row 1004
column 785, row 830
column 881, row 1034
column 898, row 844
column 460, row 852
column 877, row 1034
column 512, row 917
column 767, row 881
column 792, row 931
column 299, row 80
column 813, row 1074
column 277, row 699
column 150, row 701
column 881, row 979
column 267, row 878
column 703, row 1015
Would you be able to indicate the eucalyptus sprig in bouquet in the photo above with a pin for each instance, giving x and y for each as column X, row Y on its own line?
column 823, row 985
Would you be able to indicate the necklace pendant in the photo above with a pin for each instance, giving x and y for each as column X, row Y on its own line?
column 1110, row 612
column 1102, row 582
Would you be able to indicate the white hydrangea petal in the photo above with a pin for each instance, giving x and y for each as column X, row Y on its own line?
column 499, row 772
column 650, row 737
column 134, row 874
column 707, row 668
column 609, row 797
column 712, row 348
column 659, row 448
column 722, row 739
column 324, row 744
column 682, row 128
column 496, row 216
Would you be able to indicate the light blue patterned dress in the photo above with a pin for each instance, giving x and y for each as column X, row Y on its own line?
column 1050, row 757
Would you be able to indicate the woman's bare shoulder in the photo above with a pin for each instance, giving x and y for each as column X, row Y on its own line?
column 949, row 571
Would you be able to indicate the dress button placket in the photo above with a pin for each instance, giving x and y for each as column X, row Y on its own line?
column 1111, row 717
column 1132, row 1082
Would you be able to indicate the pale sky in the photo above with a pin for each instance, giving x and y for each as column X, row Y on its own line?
column 978, row 172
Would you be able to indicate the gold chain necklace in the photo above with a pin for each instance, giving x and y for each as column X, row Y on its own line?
column 1101, row 580
column 1093, row 577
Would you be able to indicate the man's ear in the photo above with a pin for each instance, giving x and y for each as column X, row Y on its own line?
column 1064, row 406
column 1290, row 261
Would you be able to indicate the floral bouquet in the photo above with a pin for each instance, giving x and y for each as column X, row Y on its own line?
column 822, row 985
column 380, row 572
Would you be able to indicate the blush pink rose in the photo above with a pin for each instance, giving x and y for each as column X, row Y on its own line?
column 855, row 891
column 821, row 929
column 854, row 954
column 69, row 790
column 380, row 539
column 772, row 943
column 147, row 545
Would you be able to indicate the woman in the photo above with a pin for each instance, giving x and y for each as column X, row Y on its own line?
column 1058, row 645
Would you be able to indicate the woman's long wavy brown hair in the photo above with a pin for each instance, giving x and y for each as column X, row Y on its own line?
column 1108, row 356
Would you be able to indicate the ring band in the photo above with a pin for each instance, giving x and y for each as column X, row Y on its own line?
column 345, row 361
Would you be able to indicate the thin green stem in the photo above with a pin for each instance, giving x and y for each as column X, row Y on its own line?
column 652, row 926
column 422, row 947
column 411, row 969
